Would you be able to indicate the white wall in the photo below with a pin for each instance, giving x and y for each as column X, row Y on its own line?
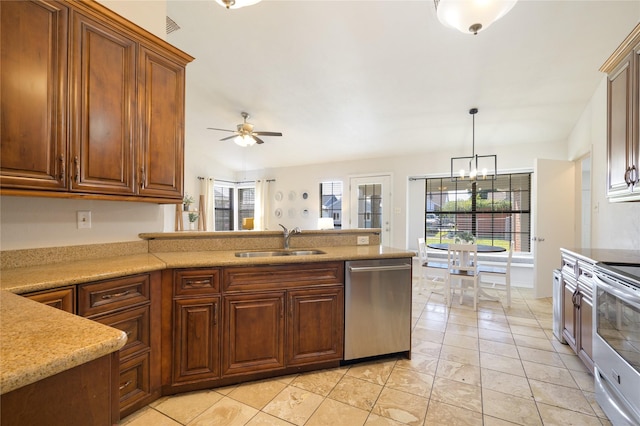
column 614, row 225
column 407, row 197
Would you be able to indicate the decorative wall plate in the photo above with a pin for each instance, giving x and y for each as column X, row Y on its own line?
column 278, row 212
column 278, row 196
column 304, row 213
column 305, row 195
column 292, row 195
column 292, row 213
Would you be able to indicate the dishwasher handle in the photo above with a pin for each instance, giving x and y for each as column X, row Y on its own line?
column 379, row 268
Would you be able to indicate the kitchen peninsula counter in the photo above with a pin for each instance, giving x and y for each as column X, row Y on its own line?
column 39, row 341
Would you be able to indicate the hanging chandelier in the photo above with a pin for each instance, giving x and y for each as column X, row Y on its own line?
column 471, row 16
column 474, row 167
column 236, row 4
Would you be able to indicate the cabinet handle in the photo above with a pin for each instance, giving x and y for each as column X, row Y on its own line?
column 77, row 163
column 143, row 178
column 62, row 167
column 198, row 283
column 111, row 296
column 125, row 385
column 215, row 314
column 633, row 175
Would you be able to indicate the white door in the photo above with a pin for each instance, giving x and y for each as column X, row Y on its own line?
column 553, row 219
column 371, row 204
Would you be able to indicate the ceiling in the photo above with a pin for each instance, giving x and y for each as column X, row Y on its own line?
column 346, row 80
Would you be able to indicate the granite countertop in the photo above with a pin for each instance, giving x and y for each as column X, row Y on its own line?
column 39, row 341
column 46, row 277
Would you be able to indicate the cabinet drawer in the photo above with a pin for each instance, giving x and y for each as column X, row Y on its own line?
column 195, row 282
column 134, row 382
column 134, row 322
column 61, row 298
column 277, row 277
column 585, row 276
column 105, row 296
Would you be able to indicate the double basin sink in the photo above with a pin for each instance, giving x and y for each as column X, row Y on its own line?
column 272, row 253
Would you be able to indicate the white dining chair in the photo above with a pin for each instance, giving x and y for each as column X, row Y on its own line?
column 493, row 272
column 430, row 270
column 462, row 265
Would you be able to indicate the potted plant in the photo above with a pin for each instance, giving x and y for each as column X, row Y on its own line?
column 465, row 237
column 193, row 216
column 187, row 201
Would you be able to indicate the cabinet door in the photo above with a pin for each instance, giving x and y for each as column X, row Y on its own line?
column 253, row 338
column 585, row 342
column 315, row 325
column 196, row 339
column 103, row 83
column 161, row 103
column 33, row 38
column 569, row 312
column 619, row 101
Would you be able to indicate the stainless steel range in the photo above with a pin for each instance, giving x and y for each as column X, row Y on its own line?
column 616, row 343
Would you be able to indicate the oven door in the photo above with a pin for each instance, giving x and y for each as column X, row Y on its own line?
column 616, row 348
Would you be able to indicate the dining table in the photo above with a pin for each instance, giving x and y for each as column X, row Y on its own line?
column 482, row 248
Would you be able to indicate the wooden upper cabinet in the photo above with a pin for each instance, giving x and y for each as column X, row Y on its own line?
column 161, row 148
column 33, row 94
column 92, row 105
column 623, row 120
column 103, row 76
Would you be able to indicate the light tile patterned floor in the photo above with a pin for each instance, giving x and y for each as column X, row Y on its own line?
column 496, row 366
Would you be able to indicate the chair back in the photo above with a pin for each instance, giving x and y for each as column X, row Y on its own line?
column 462, row 259
column 422, row 251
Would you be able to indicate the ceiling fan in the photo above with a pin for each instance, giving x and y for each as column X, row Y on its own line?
column 244, row 135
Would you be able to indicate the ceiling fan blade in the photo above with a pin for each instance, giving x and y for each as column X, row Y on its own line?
column 222, row 130
column 228, row 137
column 267, row 133
column 258, row 140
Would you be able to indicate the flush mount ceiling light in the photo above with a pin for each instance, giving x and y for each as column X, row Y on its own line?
column 474, row 167
column 471, row 16
column 236, row 4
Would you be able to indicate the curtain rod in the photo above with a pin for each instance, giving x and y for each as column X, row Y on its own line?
column 228, row 181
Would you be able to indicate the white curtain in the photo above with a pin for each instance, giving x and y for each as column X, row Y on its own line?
column 261, row 206
column 206, row 190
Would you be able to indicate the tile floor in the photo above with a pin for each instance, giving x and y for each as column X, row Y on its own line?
column 496, row 366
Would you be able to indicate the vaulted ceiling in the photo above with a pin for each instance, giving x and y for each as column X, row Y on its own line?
column 360, row 79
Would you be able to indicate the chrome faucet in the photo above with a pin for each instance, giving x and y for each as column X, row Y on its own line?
column 287, row 235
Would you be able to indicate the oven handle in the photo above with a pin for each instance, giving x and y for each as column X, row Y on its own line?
column 626, row 295
column 608, row 392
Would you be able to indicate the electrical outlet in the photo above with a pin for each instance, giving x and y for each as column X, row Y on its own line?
column 363, row 240
column 84, row 219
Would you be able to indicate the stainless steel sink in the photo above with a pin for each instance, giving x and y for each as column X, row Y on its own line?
column 272, row 253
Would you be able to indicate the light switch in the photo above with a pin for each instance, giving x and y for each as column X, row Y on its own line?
column 84, row 219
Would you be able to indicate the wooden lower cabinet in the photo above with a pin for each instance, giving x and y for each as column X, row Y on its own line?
column 196, row 339
column 578, row 287
column 315, row 325
column 83, row 395
column 253, row 333
column 130, row 304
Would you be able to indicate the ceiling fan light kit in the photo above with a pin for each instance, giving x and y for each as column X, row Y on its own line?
column 471, row 16
column 474, row 167
column 244, row 133
column 236, row 4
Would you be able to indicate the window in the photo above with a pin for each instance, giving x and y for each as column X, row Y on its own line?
column 495, row 212
column 233, row 202
column 331, row 202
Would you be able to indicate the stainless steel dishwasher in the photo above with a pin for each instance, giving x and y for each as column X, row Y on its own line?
column 377, row 307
